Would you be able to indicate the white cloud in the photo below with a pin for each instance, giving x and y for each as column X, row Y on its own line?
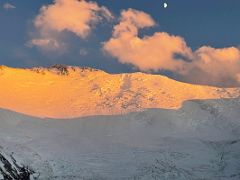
column 83, row 52
column 78, row 17
column 148, row 53
column 8, row 6
column 214, row 66
column 48, row 44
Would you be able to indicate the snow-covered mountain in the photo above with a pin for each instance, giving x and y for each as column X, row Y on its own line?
column 139, row 127
column 68, row 92
column 201, row 140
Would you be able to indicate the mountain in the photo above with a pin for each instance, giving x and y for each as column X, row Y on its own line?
column 123, row 126
column 68, row 92
column 201, row 140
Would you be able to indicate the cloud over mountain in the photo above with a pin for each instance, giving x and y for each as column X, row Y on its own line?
column 163, row 51
column 160, row 51
column 214, row 66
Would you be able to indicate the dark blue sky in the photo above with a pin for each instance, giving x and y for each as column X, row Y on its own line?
column 214, row 23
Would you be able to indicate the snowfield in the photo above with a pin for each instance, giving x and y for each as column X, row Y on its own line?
column 72, row 92
column 199, row 141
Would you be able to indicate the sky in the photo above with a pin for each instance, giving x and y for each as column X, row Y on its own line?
column 193, row 41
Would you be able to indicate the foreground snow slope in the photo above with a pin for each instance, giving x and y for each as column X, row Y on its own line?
column 201, row 140
column 67, row 92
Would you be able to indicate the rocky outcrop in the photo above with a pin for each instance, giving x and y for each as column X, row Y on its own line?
column 10, row 169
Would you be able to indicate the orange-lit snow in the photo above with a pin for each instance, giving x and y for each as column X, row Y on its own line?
column 46, row 92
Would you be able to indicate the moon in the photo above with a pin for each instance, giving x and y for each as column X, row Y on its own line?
column 165, row 5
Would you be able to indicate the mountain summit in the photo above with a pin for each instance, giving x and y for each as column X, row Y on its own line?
column 68, row 92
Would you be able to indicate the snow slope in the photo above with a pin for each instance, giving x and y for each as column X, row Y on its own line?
column 68, row 92
column 201, row 140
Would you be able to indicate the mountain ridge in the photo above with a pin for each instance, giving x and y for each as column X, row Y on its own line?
column 69, row 91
